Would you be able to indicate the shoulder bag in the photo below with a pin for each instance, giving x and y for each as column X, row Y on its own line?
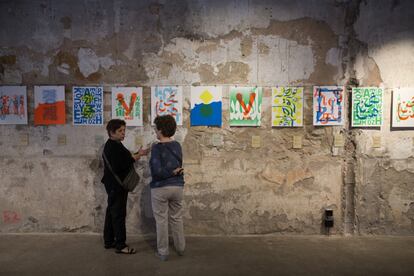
column 130, row 181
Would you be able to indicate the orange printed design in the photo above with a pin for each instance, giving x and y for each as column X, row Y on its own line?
column 49, row 105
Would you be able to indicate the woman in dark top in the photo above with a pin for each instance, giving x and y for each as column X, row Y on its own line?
column 121, row 161
column 167, row 186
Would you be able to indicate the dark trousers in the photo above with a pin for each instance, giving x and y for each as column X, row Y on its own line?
column 114, row 228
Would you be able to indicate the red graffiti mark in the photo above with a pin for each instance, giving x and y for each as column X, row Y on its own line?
column 247, row 108
column 128, row 109
column 11, row 217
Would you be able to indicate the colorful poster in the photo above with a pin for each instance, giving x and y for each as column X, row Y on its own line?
column 49, row 105
column 245, row 106
column 13, row 105
column 127, row 105
column 167, row 100
column 206, row 105
column 328, row 105
column 88, row 105
column 287, row 106
column 403, row 107
column 367, row 106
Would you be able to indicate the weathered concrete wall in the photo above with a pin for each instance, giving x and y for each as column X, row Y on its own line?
column 231, row 187
column 385, row 176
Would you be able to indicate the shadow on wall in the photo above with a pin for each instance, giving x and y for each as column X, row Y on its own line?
column 146, row 216
column 99, row 192
column 147, row 221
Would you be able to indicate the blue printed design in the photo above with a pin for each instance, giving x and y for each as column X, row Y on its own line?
column 87, row 106
column 206, row 114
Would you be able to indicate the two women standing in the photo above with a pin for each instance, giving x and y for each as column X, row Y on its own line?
column 166, row 186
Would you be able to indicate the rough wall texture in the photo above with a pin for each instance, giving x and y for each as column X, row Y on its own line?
column 384, row 197
column 231, row 187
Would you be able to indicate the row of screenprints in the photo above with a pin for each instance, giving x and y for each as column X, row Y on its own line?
column 206, row 105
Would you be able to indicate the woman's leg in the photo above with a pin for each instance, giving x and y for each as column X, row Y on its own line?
column 118, row 215
column 109, row 238
column 176, row 218
column 108, row 233
column 160, row 208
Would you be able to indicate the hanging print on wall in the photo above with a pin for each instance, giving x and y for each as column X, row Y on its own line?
column 167, row 100
column 13, row 105
column 403, row 107
column 328, row 105
column 206, row 105
column 127, row 105
column 88, row 105
column 49, row 105
column 287, row 106
column 367, row 106
column 245, row 106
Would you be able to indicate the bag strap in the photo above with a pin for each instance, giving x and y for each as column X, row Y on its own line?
column 174, row 154
column 110, row 169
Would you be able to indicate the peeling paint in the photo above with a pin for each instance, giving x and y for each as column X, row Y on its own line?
column 246, row 46
column 231, row 188
column 88, row 61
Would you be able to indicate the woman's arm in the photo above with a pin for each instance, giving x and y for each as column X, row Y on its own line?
column 139, row 153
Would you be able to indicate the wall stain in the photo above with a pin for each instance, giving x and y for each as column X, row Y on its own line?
column 310, row 32
column 8, row 60
column 246, row 46
column 67, row 22
column 231, row 72
column 263, row 49
column 374, row 212
column 207, row 46
column 410, row 214
column 5, row 61
column 28, row 166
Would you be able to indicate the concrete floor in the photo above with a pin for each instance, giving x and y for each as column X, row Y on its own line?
column 83, row 254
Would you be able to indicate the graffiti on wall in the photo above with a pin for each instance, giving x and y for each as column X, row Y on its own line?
column 11, row 217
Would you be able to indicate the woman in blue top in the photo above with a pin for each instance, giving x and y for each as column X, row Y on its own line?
column 167, row 186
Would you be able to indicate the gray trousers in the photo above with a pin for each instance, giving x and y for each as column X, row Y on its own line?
column 167, row 205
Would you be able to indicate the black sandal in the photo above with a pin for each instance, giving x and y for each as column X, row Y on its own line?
column 126, row 250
